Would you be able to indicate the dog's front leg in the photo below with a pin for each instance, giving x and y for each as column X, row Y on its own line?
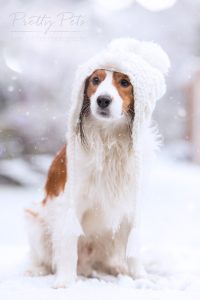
column 65, row 241
column 65, row 261
column 135, row 265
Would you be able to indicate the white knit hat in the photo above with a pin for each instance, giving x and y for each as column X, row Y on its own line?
column 144, row 62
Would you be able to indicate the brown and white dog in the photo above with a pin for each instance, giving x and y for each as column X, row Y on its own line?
column 104, row 190
column 88, row 220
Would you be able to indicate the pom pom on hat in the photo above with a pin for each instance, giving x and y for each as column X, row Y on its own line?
column 150, row 52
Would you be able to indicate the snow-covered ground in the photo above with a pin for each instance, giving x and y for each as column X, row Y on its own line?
column 170, row 244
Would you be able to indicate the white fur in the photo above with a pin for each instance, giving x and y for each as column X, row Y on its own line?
column 100, row 205
column 105, row 206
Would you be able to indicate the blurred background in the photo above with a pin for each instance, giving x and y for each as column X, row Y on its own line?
column 42, row 44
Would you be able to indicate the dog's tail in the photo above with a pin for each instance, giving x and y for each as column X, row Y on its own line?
column 29, row 212
column 33, row 214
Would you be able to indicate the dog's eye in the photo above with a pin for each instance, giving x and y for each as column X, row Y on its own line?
column 124, row 83
column 95, row 80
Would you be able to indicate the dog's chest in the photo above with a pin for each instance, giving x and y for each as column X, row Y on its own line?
column 105, row 184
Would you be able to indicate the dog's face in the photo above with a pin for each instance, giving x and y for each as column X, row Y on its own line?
column 108, row 98
column 109, row 95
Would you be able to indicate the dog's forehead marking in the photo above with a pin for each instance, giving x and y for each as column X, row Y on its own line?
column 106, row 84
column 100, row 73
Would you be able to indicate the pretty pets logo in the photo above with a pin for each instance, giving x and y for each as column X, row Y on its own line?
column 63, row 22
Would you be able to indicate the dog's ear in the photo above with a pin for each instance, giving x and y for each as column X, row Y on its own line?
column 84, row 109
column 57, row 175
column 86, row 87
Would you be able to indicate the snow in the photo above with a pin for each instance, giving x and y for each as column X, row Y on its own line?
column 169, row 235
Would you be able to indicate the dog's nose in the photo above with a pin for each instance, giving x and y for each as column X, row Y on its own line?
column 103, row 101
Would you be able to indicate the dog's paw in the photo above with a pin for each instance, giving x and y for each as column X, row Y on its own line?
column 62, row 283
column 116, row 270
column 139, row 273
column 36, row 271
column 136, row 269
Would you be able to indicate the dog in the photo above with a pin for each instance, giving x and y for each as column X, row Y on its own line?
column 105, row 186
column 88, row 220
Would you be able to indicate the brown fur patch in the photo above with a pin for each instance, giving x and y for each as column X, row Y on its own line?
column 91, row 87
column 126, row 93
column 57, row 176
